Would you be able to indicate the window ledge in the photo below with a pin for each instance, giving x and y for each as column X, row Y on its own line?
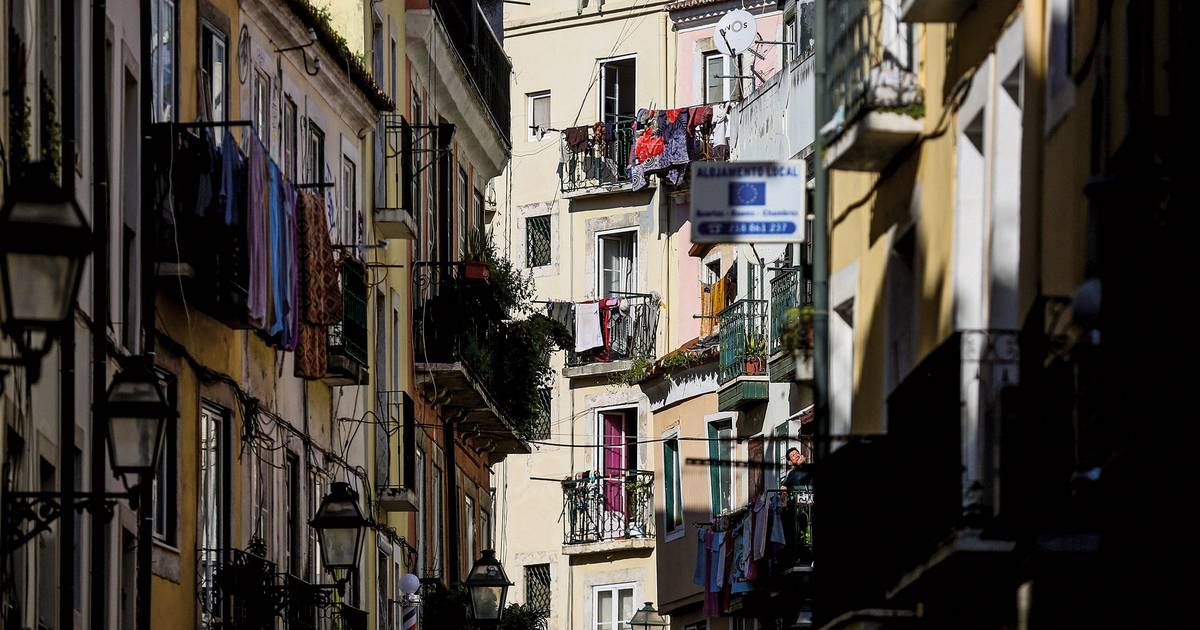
column 675, row 535
column 164, row 561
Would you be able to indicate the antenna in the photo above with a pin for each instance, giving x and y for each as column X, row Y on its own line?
column 735, row 32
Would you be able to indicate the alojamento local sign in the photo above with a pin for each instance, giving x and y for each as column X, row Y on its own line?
column 748, row 202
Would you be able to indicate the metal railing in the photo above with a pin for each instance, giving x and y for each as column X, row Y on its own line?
column 868, row 67
column 785, row 294
column 608, row 507
column 596, row 159
column 743, row 339
column 349, row 336
column 487, row 66
column 450, row 318
column 628, row 328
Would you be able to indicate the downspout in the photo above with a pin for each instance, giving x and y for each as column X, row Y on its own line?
column 100, row 307
column 820, row 258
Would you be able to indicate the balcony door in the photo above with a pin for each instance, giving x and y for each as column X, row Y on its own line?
column 618, row 263
column 619, row 454
column 618, row 89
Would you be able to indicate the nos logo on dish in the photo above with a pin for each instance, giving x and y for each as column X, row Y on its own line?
column 747, row 193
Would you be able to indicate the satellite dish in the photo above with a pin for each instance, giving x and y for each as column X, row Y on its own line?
column 735, row 32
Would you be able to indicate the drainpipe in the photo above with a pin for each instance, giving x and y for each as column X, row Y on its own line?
column 820, row 258
column 145, row 512
column 100, row 309
column 66, row 434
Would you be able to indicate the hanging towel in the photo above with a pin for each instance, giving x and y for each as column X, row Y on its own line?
column 577, row 137
column 760, row 527
column 563, row 313
column 720, row 542
column 256, row 236
column 587, row 327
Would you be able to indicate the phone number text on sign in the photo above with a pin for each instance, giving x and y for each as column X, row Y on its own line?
column 748, row 202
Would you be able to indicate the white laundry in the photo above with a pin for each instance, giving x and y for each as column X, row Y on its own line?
column 587, row 327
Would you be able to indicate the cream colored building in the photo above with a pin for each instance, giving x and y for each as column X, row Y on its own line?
column 583, row 235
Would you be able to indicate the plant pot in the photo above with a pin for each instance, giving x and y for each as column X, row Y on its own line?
column 475, row 270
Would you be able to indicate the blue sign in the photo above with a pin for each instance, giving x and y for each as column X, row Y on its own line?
column 748, row 202
column 747, row 193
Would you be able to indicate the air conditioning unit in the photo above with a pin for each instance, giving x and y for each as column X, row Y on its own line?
column 397, row 499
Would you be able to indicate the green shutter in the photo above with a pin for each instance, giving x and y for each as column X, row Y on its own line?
column 714, row 469
column 669, row 483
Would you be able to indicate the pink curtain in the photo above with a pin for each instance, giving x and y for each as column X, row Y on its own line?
column 614, row 445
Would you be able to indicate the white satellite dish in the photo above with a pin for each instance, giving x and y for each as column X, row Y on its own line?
column 735, row 32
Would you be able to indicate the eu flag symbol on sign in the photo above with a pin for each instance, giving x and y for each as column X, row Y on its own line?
column 747, row 193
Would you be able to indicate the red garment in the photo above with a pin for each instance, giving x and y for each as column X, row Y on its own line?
column 647, row 146
column 672, row 114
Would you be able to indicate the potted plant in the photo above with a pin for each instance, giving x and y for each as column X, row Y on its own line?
column 475, row 259
column 755, row 354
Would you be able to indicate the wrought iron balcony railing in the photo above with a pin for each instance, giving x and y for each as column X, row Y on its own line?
column 596, row 157
column 743, row 339
column 487, row 65
column 785, row 294
column 628, row 326
column 349, row 337
column 616, row 506
column 870, row 60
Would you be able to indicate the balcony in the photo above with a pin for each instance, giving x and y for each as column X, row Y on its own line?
column 459, row 341
column 607, row 513
column 348, row 338
column 242, row 589
column 596, row 162
column 933, row 11
column 482, row 56
column 393, row 198
column 394, row 412
column 629, row 325
column 743, row 361
column 784, row 363
column 873, row 96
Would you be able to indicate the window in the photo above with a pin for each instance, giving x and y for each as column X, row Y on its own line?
column 672, row 486
column 349, row 202
column 397, row 335
column 291, row 514
column 789, row 36
column 262, row 107
column 290, row 129
column 717, row 84
column 436, row 522
column 618, row 263
column 315, row 165
column 537, row 241
column 720, row 474
column 419, row 490
column 212, row 71
column 469, row 521
column 777, row 449
column 537, row 587
column 1060, row 89
column 613, row 606
column 211, row 510
column 477, row 218
column 162, row 59
column 166, row 481
column 485, row 529
column 461, row 201
column 423, row 224
column 618, row 89
column 539, row 114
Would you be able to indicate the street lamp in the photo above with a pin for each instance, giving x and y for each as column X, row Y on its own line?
column 340, row 527
column 648, row 618
column 488, row 586
column 137, row 412
column 44, row 239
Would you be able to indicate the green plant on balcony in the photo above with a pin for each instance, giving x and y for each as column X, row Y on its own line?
column 798, row 329
column 754, row 354
column 639, row 370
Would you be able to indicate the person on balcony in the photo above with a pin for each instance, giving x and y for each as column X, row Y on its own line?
column 795, row 516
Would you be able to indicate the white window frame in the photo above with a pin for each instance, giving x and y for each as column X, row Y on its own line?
column 726, row 70
column 678, row 532
column 600, row 77
column 163, row 8
column 217, row 102
column 598, row 427
column 618, row 623
column 261, row 106
column 600, row 258
column 349, row 201
column 530, row 99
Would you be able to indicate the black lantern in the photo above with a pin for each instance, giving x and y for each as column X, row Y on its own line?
column 137, row 411
column 648, row 618
column 488, row 586
column 340, row 527
column 44, row 240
